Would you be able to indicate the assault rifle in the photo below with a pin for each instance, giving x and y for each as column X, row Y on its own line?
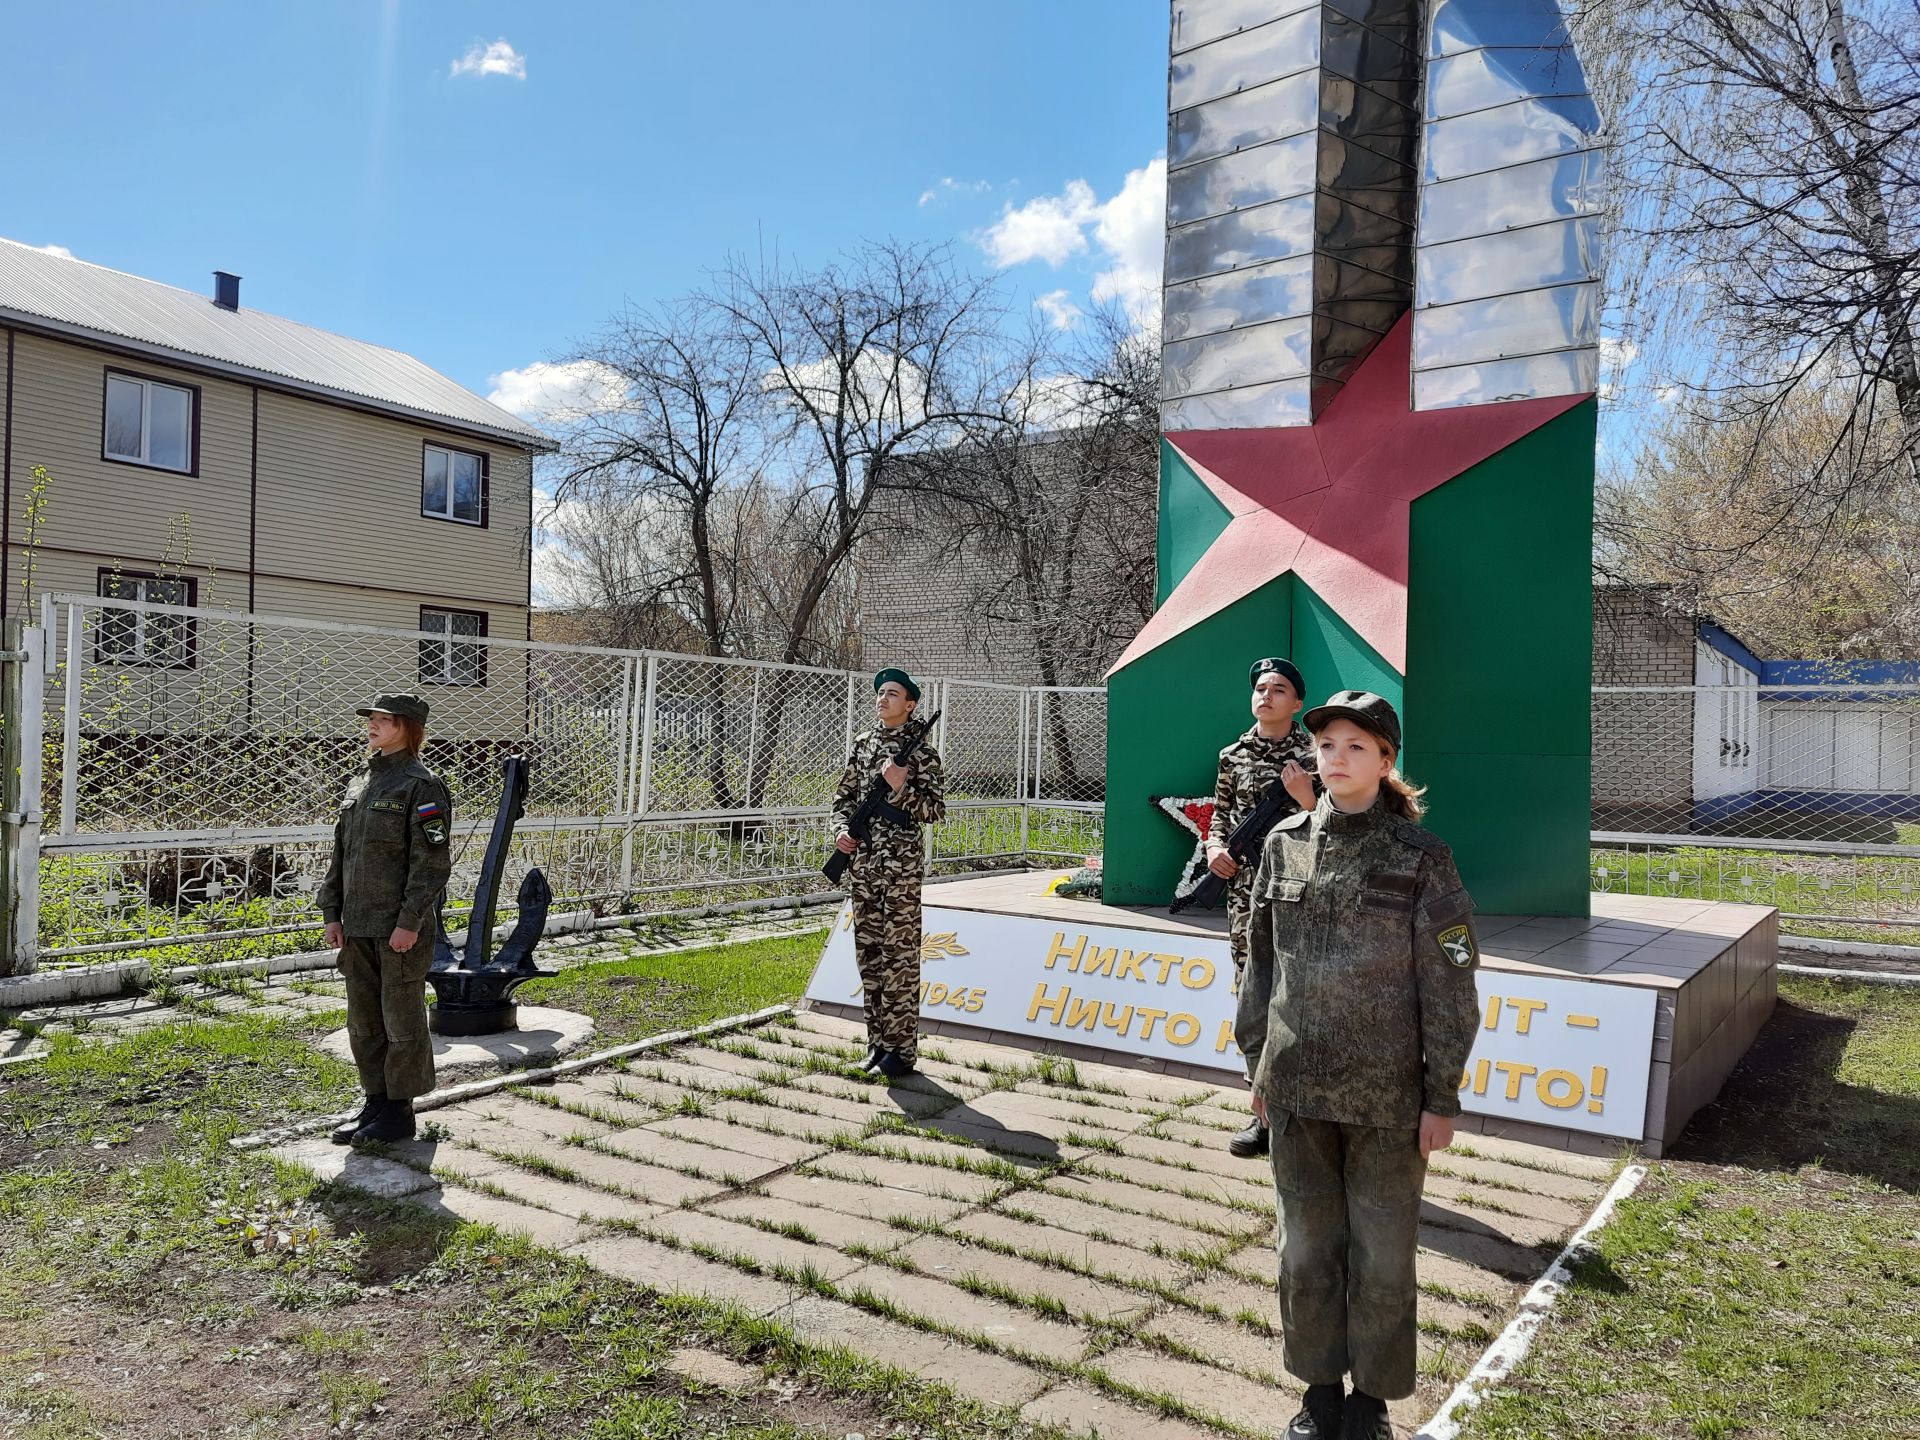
column 1243, row 844
column 875, row 804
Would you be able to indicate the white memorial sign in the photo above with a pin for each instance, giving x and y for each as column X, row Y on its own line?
column 1562, row 1052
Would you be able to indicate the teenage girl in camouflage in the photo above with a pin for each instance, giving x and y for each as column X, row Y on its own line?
column 1356, row 1015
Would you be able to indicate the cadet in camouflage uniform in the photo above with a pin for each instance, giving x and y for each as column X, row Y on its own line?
column 883, row 881
column 1274, row 749
column 380, row 901
column 1356, row 1016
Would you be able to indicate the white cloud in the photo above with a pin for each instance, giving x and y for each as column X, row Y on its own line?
column 948, row 187
column 1128, row 230
column 499, row 58
column 1132, row 234
column 1050, row 402
column 884, row 389
column 1617, row 356
column 1060, row 311
column 1050, row 228
column 62, row 251
column 545, row 393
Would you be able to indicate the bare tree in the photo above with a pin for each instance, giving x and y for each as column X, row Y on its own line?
column 1044, row 510
column 1766, row 271
column 870, row 360
column 654, row 489
column 1790, row 566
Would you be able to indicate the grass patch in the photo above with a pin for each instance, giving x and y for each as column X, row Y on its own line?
column 1764, row 1279
column 629, row 999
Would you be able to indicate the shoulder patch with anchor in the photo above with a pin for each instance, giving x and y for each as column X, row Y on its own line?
column 1457, row 942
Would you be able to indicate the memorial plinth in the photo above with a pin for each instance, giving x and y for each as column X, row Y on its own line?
column 1597, row 1032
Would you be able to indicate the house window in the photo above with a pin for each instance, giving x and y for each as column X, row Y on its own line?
column 453, row 485
column 445, row 659
column 143, row 637
column 148, row 422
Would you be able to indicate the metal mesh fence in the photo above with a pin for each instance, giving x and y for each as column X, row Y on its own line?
column 1807, row 763
column 1070, row 745
column 1803, row 797
column 193, row 760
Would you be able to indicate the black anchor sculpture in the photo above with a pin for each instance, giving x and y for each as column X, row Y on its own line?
column 474, row 995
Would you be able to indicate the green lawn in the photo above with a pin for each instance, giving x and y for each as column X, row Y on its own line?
column 1806, row 884
column 651, row 993
column 1765, row 1279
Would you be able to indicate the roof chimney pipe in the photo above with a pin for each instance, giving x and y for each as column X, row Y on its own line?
column 226, row 290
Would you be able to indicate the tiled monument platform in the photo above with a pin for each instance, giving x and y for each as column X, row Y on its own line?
column 1710, row 968
column 1069, row 1240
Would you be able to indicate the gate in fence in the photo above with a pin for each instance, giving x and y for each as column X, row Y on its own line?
column 178, row 769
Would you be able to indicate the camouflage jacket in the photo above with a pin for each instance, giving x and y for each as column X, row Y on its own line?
column 1247, row 767
column 391, row 858
column 924, row 796
column 1358, row 1003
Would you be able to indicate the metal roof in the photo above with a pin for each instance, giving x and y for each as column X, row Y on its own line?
column 55, row 293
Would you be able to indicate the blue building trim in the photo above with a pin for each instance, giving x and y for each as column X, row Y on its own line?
column 1839, row 672
column 1715, row 638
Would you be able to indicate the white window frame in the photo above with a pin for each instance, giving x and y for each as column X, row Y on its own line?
column 181, row 640
column 443, row 672
column 146, row 388
column 480, row 496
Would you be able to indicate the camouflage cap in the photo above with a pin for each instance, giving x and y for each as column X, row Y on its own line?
column 1286, row 669
column 1364, row 708
column 407, row 707
column 898, row 677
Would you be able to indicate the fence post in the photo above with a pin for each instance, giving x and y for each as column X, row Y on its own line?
column 649, row 703
column 753, row 740
column 624, row 777
column 24, row 711
column 70, row 689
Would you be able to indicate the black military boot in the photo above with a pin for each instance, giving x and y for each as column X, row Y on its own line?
column 1365, row 1419
column 391, row 1122
column 892, row 1066
column 1250, row 1142
column 874, row 1052
column 1320, row 1414
column 344, row 1132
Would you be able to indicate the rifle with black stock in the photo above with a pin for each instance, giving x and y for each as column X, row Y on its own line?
column 1243, row 845
column 875, row 803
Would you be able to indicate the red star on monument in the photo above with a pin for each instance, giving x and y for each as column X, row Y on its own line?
column 1333, row 501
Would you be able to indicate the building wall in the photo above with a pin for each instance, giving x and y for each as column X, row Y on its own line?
column 316, row 514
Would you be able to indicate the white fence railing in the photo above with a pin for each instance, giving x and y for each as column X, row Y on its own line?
column 175, row 772
column 191, row 761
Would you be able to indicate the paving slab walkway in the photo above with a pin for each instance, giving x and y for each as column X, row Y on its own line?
column 1074, row 1242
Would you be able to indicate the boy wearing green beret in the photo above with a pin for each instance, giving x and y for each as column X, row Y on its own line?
column 884, row 879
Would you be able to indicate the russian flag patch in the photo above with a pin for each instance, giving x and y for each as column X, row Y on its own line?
column 428, row 810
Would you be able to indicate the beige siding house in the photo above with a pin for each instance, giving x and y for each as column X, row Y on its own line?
column 202, row 453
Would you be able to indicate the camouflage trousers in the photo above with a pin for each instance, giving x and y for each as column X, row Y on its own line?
column 1349, row 1199
column 1239, row 921
column 387, row 1015
column 886, row 943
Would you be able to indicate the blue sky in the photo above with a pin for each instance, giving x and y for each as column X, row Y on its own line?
column 480, row 184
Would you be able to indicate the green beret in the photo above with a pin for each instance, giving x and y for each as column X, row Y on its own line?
column 900, row 678
column 1285, row 669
